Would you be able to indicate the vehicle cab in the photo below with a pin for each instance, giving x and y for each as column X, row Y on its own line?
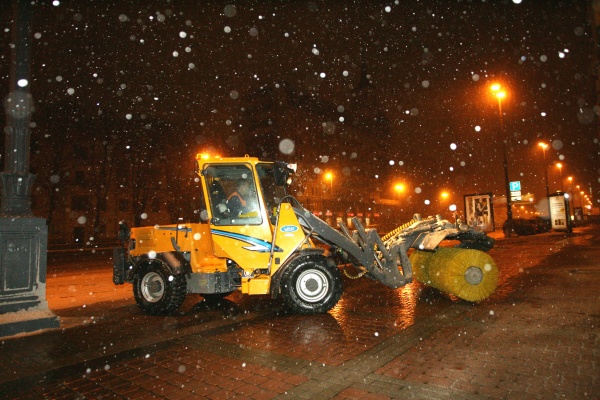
column 242, row 199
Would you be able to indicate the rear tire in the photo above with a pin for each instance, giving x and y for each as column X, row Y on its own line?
column 157, row 291
column 311, row 285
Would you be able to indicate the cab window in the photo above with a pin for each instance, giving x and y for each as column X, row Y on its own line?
column 271, row 192
column 232, row 194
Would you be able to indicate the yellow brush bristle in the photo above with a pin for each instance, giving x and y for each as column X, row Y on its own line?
column 466, row 273
column 419, row 260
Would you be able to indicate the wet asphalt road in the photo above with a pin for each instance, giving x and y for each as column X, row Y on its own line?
column 413, row 342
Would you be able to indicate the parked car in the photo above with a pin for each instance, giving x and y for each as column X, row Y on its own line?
column 541, row 224
column 518, row 226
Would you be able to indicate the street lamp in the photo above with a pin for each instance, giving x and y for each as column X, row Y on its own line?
column 329, row 177
column 399, row 188
column 544, row 146
column 559, row 165
column 580, row 196
column 570, row 179
column 500, row 95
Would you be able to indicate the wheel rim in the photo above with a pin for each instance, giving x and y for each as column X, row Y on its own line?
column 153, row 287
column 474, row 275
column 312, row 286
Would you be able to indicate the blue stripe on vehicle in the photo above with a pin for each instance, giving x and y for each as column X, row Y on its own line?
column 259, row 245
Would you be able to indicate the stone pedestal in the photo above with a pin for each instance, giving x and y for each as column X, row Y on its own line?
column 23, row 306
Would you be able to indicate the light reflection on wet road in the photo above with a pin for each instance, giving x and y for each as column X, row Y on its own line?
column 367, row 314
column 373, row 328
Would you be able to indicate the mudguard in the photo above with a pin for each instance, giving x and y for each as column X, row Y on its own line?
column 174, row 260
column 276, row 279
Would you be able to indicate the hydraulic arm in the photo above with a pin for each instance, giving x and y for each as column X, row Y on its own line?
column 386, row 259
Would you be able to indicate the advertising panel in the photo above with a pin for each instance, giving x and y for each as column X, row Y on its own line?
column 479, row 213
column 558, row 212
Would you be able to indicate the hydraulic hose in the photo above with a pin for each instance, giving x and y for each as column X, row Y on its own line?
column 398, row 230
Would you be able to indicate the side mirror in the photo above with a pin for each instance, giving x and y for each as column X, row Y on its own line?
column 280, row 173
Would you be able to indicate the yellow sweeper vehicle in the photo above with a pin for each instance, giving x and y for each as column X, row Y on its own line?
column 252, row 237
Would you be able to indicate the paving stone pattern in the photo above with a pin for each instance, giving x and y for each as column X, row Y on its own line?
column 535, row 338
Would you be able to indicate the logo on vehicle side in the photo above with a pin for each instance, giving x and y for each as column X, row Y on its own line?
column 259, row 245
column 289, row 228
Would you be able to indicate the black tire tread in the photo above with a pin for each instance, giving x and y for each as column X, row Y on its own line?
column 287, row 286
column 175, row 290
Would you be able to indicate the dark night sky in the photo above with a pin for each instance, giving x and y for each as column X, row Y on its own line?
column 428, row 66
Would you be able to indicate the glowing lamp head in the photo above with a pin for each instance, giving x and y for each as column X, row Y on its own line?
column 205, row 156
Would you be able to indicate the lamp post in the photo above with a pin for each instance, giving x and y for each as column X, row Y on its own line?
column 500, row 95
column 329, row 177
column 23, row 237
column 570, row 179
column 544, row 146
column 398, row 189
column 559, row 165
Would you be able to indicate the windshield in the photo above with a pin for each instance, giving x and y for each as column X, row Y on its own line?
column 232, row 194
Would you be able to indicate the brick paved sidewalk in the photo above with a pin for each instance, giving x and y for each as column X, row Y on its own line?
column 537, row 337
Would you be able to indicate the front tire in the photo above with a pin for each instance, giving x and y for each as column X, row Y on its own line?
column 311, row 285
column 157, row 291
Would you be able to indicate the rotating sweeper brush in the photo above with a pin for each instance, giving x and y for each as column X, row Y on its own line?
column 466, row 273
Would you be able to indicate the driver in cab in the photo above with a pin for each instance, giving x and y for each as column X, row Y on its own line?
column 239, row 202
